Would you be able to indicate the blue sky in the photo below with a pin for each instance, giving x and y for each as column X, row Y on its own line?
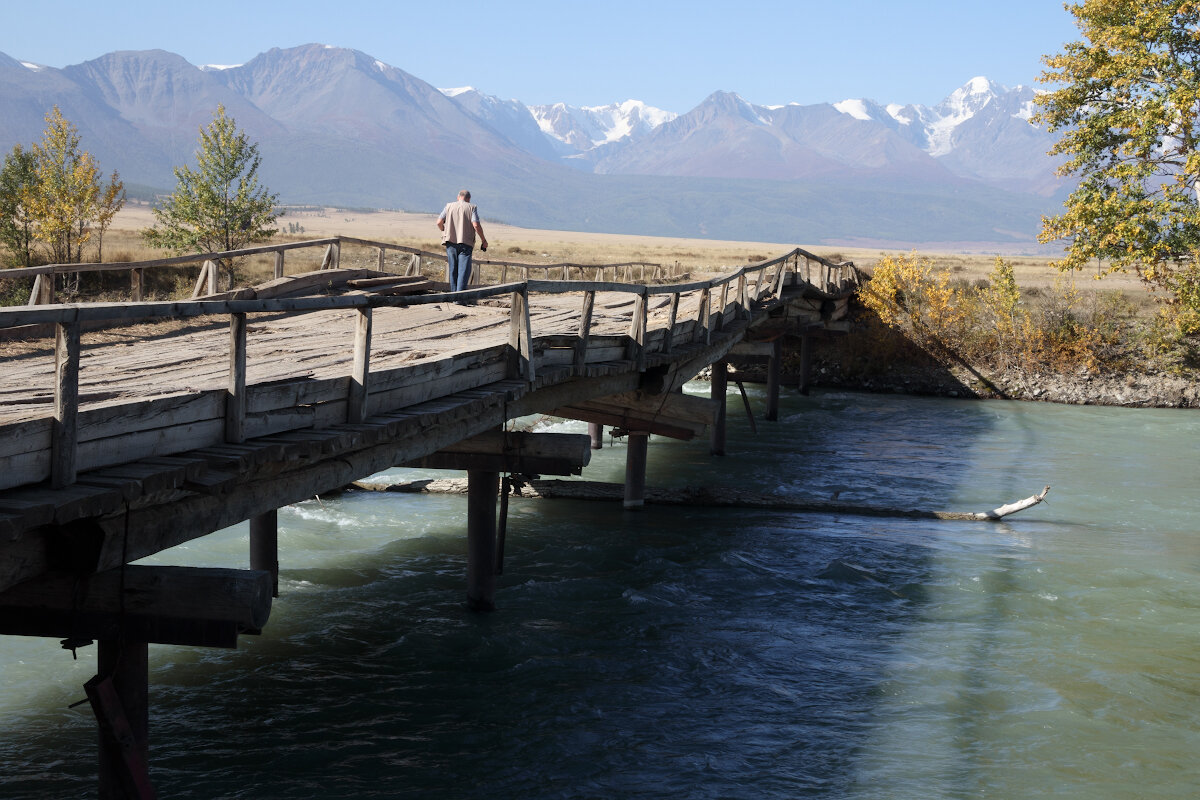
column 669, row 54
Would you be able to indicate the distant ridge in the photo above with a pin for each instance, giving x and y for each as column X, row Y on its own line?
column 339, row 127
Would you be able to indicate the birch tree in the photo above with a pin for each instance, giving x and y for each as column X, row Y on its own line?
column 1127, row 104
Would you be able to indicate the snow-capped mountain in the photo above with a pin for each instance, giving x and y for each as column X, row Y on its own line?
column 981, row 130
column 587, row 127
column 338, row 126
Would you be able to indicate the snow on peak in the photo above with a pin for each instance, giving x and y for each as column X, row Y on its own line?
column 32, row 66
column 219, row 67
column 457, row 91
column 962, row 104
column 855, row 108
column 896, row 112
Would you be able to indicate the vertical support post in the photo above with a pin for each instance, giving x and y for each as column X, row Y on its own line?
column 327, row 258
column 720, row 323
column 337, row 255
column 520, row 335
column 585, row 331
column 278, row 263
column 235, row 395
column 743, row 298
column 719, row 386
column 123, row 703
column 43, row 290
column 596, row 431
column 805, row 362
column 264, row 546
column 137, row 280
column 635, row 469
column 774, row 366
column 64, row 438
column 381, row 258
column 356, row 405
column 636, row 351
column 482, row 487
column 669, row 336
column 214, row 276
column 702, row 321
column 762, row 274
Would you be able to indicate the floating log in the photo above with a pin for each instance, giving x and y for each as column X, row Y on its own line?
column 703, row 496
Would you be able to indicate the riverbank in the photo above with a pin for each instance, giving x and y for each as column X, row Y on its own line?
column 833, row 367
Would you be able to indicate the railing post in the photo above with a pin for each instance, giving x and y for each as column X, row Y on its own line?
column 702, row 318
column 235, row 397
column 278, row 264
column 381, row 258
column 585, row 331
column 43, row 290
column 137, row 279
column 670, row 333
column 64, row 440
column 519, row 335
column 637, row 332
column 356, row 405
column 720, row 323
column 743, row 297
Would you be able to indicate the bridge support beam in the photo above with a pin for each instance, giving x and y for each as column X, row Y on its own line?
column 719, row 385
column 482, row 488
column 805, row 362
column 774, row 367
column 596, row 431
column 635, row 469
column 120, row 699
column 264, row 546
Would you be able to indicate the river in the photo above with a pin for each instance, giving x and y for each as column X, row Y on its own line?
column 699, row 653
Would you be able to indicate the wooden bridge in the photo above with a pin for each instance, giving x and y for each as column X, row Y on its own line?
column 137, row 426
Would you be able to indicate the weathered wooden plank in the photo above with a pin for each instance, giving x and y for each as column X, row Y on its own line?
column 165, row 605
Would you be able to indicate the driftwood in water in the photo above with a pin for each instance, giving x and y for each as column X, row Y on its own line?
column 699, row 496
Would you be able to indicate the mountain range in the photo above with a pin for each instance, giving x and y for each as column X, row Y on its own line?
column 338, row 127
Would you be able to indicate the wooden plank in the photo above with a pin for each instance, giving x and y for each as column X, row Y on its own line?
column 205, row 607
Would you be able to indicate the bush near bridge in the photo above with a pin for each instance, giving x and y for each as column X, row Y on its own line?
column 911, row 309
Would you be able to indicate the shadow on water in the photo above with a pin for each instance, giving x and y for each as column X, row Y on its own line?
column 664, row 653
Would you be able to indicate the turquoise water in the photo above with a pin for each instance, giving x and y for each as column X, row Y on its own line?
column 707, row 653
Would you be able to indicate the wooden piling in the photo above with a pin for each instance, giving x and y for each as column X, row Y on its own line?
column 124, row 717
column 635, row 470
column 774, row 367
column 719, row 384
column 264, row 546
column 482, row 488
column 596, row 431
column 805, row 363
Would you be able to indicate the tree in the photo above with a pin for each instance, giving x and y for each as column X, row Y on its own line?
column 68, row 186
column 218, row 206
column 18, row 182
column 112, row 199
column 1127, row 108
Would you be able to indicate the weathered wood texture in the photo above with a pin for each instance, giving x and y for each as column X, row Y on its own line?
column 230, row 408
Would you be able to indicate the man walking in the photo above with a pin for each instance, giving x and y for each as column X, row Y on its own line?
column 459, row 224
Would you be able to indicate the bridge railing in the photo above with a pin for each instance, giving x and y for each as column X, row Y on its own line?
column 70, row 440
column 207, row 282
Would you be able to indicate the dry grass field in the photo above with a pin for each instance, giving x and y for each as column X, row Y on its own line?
column 547, row 246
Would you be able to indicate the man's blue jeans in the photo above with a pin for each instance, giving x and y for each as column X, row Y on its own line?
column 458, row 259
